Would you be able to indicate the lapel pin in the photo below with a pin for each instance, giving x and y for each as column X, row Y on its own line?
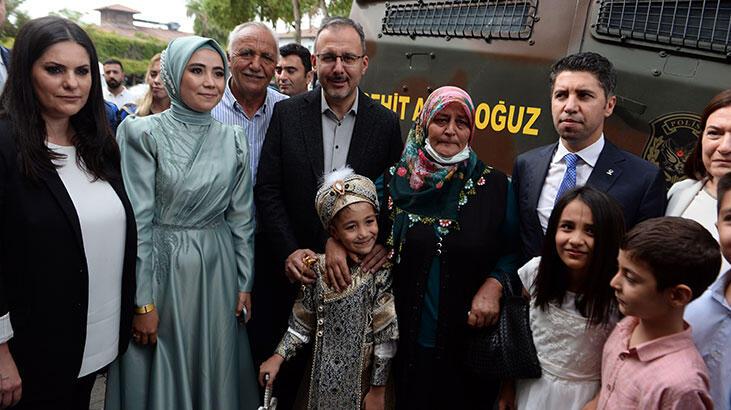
column 610, row 172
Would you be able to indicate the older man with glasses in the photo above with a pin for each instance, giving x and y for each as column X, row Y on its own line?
column 312, row 134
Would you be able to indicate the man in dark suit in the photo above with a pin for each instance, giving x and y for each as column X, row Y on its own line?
column 582, row 97
column 309, row 135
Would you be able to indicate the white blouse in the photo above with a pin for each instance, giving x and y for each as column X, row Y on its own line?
column 702, row 209
column 103, row 230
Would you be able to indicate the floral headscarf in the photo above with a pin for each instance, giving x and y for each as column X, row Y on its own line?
column 443, row 96
column 423, row 189
column 421, row 169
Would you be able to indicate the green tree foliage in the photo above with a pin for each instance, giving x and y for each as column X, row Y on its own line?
column 339, row 7
column 215, row 18
column 14, row 19
column 134, row 53
column 113, row 45
column 72, row 15
column 203, row 25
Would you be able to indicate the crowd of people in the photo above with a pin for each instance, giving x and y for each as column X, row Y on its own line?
column 219, row 237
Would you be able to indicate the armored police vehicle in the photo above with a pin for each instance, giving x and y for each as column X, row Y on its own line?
column 671, row 57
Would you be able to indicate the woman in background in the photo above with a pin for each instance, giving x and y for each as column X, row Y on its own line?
column 695, row 197
column 156, row 99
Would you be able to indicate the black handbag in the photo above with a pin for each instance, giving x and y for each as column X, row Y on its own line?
column 504, row 350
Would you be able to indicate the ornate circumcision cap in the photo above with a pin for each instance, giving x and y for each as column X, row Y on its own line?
column 340, row 189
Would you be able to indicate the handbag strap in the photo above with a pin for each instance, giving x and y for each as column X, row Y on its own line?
column 509, row 287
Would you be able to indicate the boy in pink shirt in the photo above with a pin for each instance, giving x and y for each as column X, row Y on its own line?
column 649, row 360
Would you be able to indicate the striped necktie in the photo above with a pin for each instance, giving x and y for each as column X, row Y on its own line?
column 569, row 178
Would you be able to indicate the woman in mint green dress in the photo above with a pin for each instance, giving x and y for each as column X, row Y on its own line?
column 187, row 176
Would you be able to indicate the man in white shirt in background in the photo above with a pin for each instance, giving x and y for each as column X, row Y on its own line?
column 116, row 92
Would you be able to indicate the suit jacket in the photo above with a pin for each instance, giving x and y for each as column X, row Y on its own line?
column 637, row 185
column 292, row 161
column 44, row 276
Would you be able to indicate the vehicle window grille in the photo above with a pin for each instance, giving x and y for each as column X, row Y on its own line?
column 695, row 25
column 486, row 19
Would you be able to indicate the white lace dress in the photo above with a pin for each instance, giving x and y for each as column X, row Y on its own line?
column 570, row 354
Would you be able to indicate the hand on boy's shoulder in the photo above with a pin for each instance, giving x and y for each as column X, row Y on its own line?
column 376, row 259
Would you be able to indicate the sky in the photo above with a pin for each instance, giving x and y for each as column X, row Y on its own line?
column 164, row 11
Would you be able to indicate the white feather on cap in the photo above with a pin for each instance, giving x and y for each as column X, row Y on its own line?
column 341, row 188
column 337, row 175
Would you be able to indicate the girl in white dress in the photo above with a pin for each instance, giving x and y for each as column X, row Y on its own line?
column 573, row 309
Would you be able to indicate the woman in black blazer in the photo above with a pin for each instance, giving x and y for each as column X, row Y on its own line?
column 67, row 231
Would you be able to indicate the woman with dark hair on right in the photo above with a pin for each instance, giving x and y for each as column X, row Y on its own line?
column 572, row 308
column 695, row 198
column 68, row 239
column 156, row 99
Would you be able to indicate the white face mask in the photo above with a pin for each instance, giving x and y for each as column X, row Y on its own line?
column 458, row 157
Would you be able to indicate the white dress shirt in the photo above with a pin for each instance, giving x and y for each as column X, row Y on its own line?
column 121, row 99
column 702, row 209
column 556, row 170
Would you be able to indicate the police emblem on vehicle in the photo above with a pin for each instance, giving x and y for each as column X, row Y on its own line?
column 671, row 141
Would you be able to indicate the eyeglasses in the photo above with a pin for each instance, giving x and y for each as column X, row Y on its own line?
column 249, row 54
column 331, row 58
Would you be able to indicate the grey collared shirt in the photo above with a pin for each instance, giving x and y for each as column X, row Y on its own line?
column 229, row 111
column 336, row 134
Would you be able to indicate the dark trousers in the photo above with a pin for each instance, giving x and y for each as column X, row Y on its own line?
column 432, row 383
column 271, row 305
column 76, row 398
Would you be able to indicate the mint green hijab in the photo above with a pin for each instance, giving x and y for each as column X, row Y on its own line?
column 173, row 61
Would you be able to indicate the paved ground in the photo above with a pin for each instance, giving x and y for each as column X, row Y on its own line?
column 97, row 394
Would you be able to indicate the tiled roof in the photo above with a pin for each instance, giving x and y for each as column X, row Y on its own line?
column 118, row 7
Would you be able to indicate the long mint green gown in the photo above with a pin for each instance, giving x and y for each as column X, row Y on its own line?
column 191, row 189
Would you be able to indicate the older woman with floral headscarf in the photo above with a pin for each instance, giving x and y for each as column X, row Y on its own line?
column 188, row 178
column 454, row 234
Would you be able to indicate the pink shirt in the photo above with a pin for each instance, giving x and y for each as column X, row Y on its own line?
column 665, row 373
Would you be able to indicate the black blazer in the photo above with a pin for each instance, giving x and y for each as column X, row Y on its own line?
column 44, row 277
column 467, row 256
column 292, row 161
column 637, row 185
